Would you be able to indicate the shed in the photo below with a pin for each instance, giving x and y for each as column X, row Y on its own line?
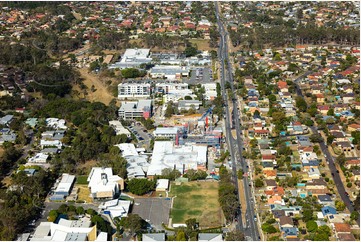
column 162, row 185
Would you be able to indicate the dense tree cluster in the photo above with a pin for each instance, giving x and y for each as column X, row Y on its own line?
column 133, row 222
column 163, row 41
column 141, row 186
column 132, row 73
column 193, row 175
column 285, row 33
column 88, row 138
column 23, row 202
column 8, row 159
column 227, row 195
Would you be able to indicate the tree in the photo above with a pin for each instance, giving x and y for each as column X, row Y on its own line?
column 132, row 73
column 170, row 110
column 181, row 236
column 53, row 214
column 171, row 174
column 91, row 212
column 191, row 223
column 316, row 138
column 341, row 159
column 240, row 173
column 133, row 222
column 331, row 112
column 311, row 226
column 141, row 186
column 354, row 215
column 258, row 182
column 321, row 237
column 301, row 104
column 307, row 215
column 80, row 210
column 340, row 206
column 330, row 139
column 190, row 51
column 268, row 228
column 235, row 235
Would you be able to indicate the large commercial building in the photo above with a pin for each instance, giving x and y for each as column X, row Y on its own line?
column 181, row 157
column 133, row 90
column 64, row 187
column 132, row 58
column 167, row 87
column 137, row 109
column 211, row 91
column 103, row 184
column 68, row 230
column 169, row 72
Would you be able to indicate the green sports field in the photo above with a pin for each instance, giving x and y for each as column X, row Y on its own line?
column 197, row 200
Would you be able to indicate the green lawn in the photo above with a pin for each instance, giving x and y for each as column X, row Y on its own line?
column 296, row 155
column 196, row 200
column 82, row 180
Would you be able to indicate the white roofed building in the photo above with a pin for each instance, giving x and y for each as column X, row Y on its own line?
column 64, row 187
column 167, row 155
column 166, row 132
column 162, row 185
column 119, row 129
column 56, row 123
column 139, row 109
column 67, row 230
column 133, row 90
column 127, row 149
column 169, row 72
column 103, row 184
column 38, row 158
column 116, row 208
column 132, row 58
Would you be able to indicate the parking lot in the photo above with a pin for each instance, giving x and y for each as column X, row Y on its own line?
column 153, row 210
column 200, row 75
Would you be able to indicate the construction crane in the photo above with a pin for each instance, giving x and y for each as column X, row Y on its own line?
column 209, row 111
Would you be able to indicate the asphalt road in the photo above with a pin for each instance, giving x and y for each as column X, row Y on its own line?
column 250, row 228
column 336, row 176
column 331, row 162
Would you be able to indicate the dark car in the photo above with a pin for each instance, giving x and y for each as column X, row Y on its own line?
column 332, row 174
column 337, row 171
column 346, row 193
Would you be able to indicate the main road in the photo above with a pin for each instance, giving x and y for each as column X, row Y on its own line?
column 249, row 228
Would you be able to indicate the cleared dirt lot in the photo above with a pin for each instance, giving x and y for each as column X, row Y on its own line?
column 101, row 94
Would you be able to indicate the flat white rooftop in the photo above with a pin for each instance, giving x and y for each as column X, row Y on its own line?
column 127, row 149
column 166, row 155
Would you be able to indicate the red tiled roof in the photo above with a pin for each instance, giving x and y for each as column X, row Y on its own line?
column 342, row 227
column 268, row 157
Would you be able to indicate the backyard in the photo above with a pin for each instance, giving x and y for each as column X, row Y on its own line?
column 197, row 200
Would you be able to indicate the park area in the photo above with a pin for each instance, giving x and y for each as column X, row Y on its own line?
column 197, row 200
